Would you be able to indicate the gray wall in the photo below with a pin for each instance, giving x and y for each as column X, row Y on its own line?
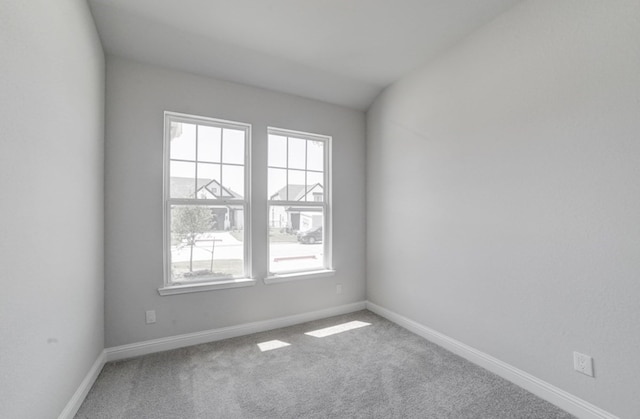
column 137, row 96
column 51, row 210
column 503, row 195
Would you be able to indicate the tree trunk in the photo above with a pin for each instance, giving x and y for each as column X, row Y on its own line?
column 191, row 259
column 213, row 248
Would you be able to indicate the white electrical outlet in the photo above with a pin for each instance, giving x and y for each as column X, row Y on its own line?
column 150, row 316
column 338, row 288
column 583, row 363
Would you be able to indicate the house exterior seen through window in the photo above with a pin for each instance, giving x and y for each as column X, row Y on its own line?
column 205, row 204
column 299, row 197
column 207, row 209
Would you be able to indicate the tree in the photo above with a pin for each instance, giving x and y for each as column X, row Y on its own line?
column 189, row 221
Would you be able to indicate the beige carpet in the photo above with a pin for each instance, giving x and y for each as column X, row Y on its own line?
column 379, row 370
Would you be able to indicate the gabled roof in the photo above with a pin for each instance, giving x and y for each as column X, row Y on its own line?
column 214, row 186
column 182, row 187
column 295, row 192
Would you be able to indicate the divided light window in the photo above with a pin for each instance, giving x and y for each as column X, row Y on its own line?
column 205, row 205
column 299, row 202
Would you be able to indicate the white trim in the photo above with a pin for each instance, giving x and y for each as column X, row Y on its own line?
column 168, row 201
column 325, row 204
column 189, row 339
column 206, row 286
column 299, row 275
column 542, row 389
column 78, row 397
column 283, row 203
column 204, row 120
column 285, row 132
column 328, row 199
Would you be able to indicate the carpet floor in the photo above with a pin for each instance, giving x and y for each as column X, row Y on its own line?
column 371, row 369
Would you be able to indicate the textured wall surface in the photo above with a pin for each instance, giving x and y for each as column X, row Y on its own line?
column 51, row 210
column 503, row 195
column 137, row 96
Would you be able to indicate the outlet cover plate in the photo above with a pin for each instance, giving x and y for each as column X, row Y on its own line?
column 583, row 363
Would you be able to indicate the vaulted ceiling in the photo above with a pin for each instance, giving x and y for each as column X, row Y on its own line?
column 339, row 51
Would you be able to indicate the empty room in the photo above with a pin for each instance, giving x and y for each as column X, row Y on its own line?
column 320, row 209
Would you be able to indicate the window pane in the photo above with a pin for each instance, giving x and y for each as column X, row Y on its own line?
column 232, row 181
column 277, row 184
column 207, row 242
column 278, row 220
column 295, row 239
column 183, row 141
column 208, row 181
column 209, row 143
column 182, row 182
column 315, row 155
column 296, row 185
column 297, row 153
column 315, row 187
column 277, row 150
column 232, row 146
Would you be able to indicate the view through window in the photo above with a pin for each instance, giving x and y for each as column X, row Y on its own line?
column 205, row 206
column 298, row 201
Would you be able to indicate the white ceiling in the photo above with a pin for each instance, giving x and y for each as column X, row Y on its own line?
column 339, row 51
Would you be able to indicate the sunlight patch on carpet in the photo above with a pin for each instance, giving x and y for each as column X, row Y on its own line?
column 272, row 344
column 328, row 331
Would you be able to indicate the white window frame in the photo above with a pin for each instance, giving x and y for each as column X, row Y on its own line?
column 179, row 287
column 327, row 230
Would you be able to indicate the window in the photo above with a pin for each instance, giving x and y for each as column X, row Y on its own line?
column 206, row 209
column 299, row 202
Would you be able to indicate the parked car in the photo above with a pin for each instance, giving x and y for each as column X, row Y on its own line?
column 311, row 236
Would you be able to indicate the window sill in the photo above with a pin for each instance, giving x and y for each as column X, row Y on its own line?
column 206, row 286
column 297, row 276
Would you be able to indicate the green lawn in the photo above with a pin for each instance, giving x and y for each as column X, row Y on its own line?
column 221, row 268
column 275, row 236
column 238, row 234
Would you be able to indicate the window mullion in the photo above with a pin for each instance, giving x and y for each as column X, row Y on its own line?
column 221, row 159
column 196, row 164
column 306, row 176
column 286, row 191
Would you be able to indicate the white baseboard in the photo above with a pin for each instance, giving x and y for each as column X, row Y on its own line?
column 189, row 339
column 78, row 397
column 542, row 389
